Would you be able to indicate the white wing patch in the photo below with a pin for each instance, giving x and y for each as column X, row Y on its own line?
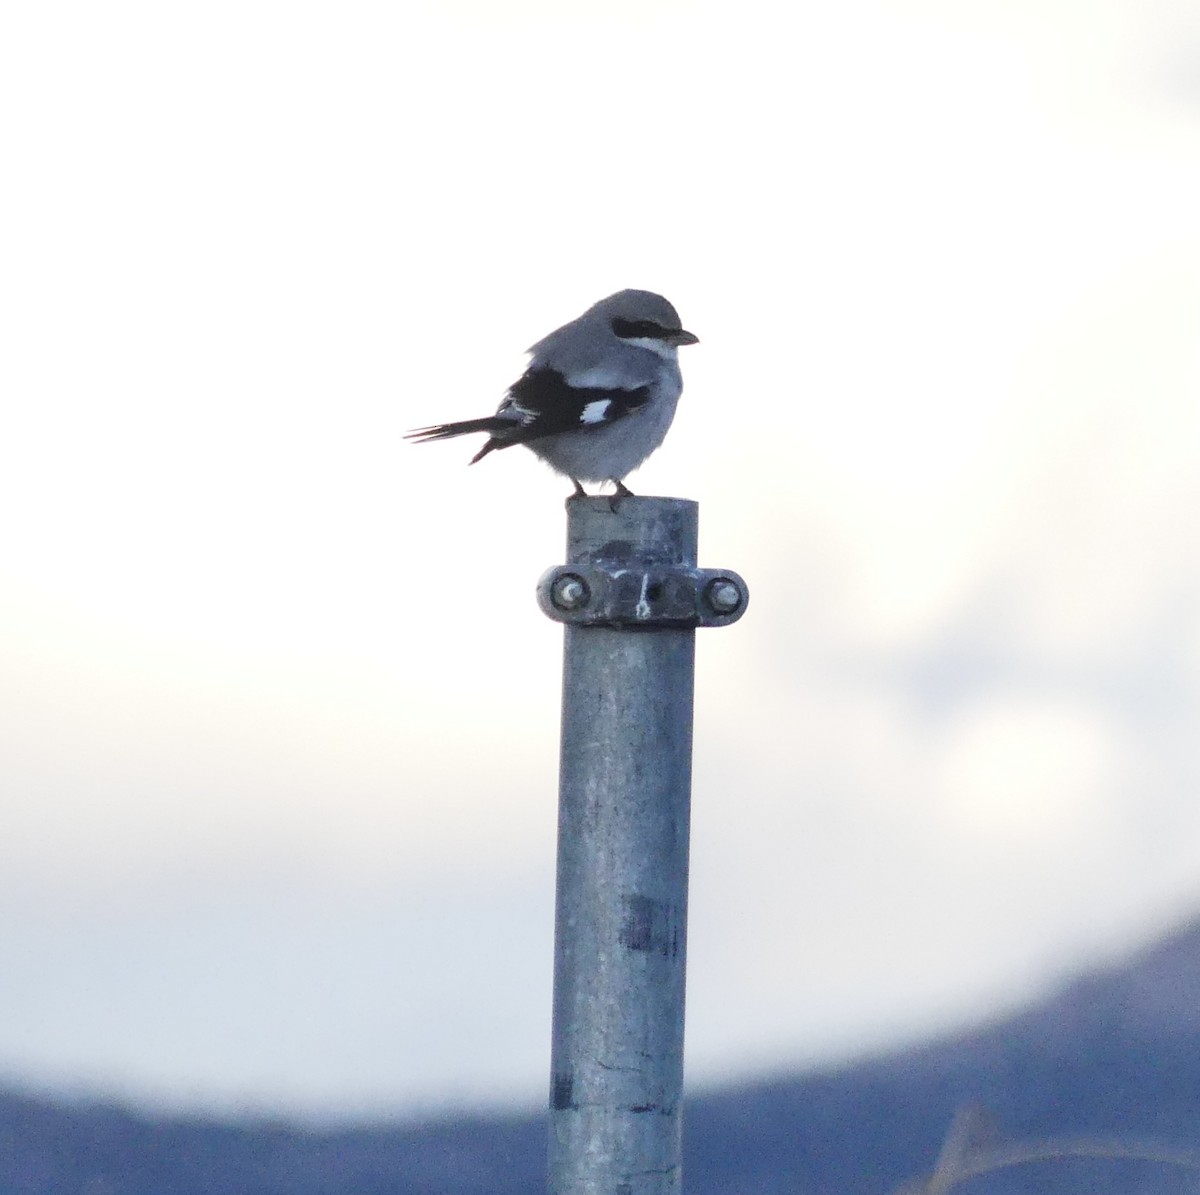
column 595, row 412
column 511, row 409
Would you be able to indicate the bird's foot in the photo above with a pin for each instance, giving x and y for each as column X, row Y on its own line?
column 621, row 492
column 580, row 492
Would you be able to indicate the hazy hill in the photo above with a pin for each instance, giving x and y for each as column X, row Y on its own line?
column 1114, row 1056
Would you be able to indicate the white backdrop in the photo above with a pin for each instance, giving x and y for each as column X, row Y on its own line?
column 279, row 713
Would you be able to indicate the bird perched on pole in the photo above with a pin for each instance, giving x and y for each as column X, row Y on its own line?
column 598, row 396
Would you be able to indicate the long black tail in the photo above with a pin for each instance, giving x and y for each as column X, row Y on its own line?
column 447, row 431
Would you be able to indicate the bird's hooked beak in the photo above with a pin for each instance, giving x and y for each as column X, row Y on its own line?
column 682, row 337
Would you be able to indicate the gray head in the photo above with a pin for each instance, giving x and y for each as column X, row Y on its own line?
column 634, row 317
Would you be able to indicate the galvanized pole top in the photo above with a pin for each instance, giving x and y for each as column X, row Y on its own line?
column 632, row 563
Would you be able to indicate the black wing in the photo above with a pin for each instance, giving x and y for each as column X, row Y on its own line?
column 543, row 403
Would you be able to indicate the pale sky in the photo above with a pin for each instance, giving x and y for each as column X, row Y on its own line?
column 278, row 709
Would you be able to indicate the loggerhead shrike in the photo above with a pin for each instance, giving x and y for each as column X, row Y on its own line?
column 598, row 396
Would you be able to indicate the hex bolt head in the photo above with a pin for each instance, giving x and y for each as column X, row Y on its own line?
column 569, row 592
column 723, row 595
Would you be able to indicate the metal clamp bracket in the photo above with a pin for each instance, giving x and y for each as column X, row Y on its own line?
column 651, row 596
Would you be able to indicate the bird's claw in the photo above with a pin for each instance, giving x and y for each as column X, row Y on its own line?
column 621, row 492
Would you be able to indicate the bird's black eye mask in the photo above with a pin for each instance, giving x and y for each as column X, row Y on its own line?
column 639, row 329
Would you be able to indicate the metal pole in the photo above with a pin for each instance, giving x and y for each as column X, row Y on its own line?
column 631, row 596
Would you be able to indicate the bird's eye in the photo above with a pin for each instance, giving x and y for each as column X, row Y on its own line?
column 639, row 329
